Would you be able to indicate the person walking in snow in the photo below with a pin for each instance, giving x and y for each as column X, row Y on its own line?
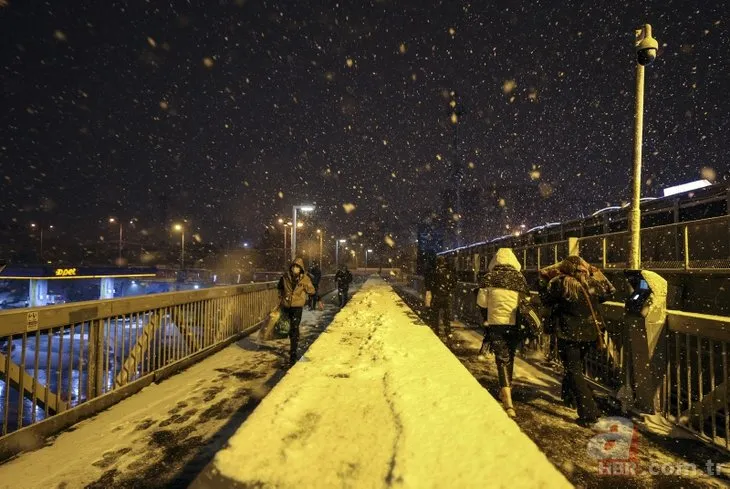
column 293, row 287
column 504, row 286
column 574, row 295
column 315, row 274
column 440, row 285
column 343, row 278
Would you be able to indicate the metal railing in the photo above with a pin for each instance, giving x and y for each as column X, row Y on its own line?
column 54, row 359
column 691, row 245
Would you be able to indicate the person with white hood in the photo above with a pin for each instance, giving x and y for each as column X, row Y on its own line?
column 505, row 286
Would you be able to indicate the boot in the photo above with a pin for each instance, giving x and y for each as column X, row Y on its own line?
column 505, row 394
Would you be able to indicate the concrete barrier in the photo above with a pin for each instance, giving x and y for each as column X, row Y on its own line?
column 379, row 401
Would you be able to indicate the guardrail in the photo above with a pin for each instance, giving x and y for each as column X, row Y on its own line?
column 54, row 361
column 693, row 392
column 691, row 245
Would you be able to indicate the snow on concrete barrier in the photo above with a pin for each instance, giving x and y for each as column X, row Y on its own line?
column 379, row 401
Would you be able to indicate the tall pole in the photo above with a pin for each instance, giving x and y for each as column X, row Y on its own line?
column 320, row 249
column 294, row 236
column 635, row 215
column 182, row 250
column 41, row 243
column 284, row 246
column 646, row 51
column 366, row 258
column 337, row 253
column 120, row 241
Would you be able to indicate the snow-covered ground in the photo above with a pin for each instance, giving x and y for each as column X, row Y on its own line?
column 378, row 401
column 542, row 416
column 164, row 435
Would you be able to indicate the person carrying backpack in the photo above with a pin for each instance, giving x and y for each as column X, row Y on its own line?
column 574, row 294
column 505, row 287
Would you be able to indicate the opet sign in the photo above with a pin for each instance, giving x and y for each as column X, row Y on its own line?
column 65, row 272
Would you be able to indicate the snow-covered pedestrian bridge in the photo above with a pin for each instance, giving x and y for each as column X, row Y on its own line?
column 377, row 400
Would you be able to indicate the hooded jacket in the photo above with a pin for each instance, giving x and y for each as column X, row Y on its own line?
column 441, row 281
column 293, row 289
column 574, row 319
column 504, row 283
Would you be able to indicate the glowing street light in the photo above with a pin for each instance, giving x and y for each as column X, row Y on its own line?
column 181, row 229
column 366, row 257
column 303, row 208
column 337, row 250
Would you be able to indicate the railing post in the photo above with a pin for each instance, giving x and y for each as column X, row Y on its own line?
column 538, row 257
column 686, row 247
column 555, row 253
column 573, row 247
column 96, row 359
column 603, row 259
column 524, row 259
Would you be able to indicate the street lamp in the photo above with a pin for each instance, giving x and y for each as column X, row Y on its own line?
column 321, row 234
column 337, row 251
column 646, row 52
column 366, row 257
column 303, row 208
column 181, row 229
column 288, row 224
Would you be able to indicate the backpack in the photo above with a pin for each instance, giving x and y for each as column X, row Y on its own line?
column 529, row 323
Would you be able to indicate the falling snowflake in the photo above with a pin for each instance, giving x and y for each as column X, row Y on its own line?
column 59, row 35
column 348, row 207
column 151, row 42
column 208, row 62
column 508, row 86
column 349, row 62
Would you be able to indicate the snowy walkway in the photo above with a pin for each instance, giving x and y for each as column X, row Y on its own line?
column 164, row 435
column 378, row 401
column 551, row 425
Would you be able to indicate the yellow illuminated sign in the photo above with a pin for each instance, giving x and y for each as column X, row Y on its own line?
column 65, row 272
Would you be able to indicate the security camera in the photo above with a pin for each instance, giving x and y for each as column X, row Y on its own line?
column 646, row 46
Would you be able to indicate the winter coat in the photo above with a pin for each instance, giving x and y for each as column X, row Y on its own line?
column 573, row 317
column 293, row 289
column 343, row 279
column 316, row 275
column 441, row 281
column 504, row 284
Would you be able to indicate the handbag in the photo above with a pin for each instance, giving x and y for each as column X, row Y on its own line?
column 529, row 323
column 282, row 326
column 482, row 298
column 600, row 344
column 267, row 329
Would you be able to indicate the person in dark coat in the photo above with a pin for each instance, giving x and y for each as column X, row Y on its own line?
column 293, row 287
column 505, row 286
column 315, row 274
column 440, row 285
column 576, row 329
column 343, row 279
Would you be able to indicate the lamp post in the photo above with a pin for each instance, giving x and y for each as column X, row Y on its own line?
column 646, row 52
column 35, row 226
column 337, row 251
column 366, row 257
column 288, row 224
column 321, row 234
column 181, row 229
column 303, row 208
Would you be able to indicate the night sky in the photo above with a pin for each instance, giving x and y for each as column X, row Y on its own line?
column 226, row 113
